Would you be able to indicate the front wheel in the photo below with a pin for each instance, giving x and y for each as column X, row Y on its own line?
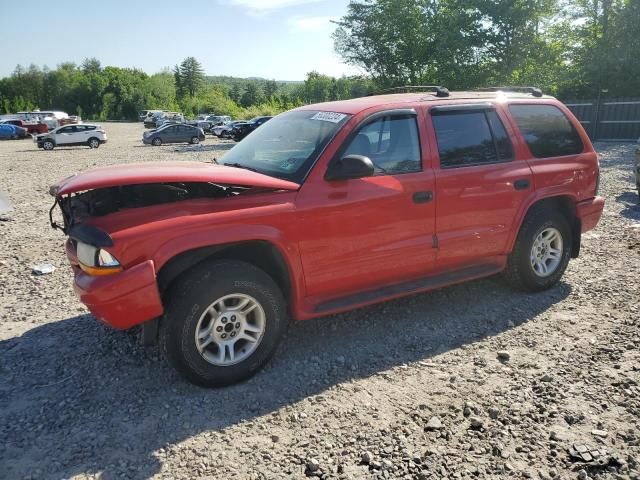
column 48, row 145
column 224, row 320
column 542, row 251
column 156, row 142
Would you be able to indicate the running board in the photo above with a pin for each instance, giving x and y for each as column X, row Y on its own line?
column 407, row 288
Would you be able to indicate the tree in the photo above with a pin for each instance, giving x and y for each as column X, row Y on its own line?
column 189, row 77
column 251, row 96
column 270, row 88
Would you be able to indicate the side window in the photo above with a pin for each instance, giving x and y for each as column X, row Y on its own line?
column 90, row 127
column 65, row 130
column 546, row 130
column 391, row 143
column 467, row 138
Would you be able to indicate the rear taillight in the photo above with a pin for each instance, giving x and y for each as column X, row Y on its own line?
column 100, row 131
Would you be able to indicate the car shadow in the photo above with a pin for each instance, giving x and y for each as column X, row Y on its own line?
column 80, row 398
column 631, row 205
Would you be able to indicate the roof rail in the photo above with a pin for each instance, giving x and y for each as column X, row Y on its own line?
column 439, row 90
column 536, row 92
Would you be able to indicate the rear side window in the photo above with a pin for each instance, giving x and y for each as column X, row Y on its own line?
column 467, row 138
column 547, row 131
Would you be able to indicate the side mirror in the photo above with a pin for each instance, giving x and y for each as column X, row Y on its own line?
column 351, row 166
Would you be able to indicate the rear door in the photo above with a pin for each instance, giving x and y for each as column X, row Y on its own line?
column 480, row 184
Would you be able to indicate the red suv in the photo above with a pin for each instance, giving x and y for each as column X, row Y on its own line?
column 327, row 208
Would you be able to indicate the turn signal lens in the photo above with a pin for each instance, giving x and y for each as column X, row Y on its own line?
column 96, row 261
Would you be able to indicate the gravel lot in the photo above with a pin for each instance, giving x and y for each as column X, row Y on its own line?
column 472, row 381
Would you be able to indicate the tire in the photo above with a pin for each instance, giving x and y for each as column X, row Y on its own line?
column 194, row 140
column 156, row 142
column 93, row 142
column 523, row 266
column 48, row 145
column 188, row 310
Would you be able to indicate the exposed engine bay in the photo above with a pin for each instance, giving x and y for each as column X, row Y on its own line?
column 103, row 201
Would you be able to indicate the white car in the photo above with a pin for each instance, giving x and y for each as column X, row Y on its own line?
column 69, row 135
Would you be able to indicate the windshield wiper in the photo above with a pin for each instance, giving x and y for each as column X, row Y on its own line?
column 239, row 165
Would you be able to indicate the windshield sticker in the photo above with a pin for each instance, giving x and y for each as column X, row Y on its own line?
column 332, row 117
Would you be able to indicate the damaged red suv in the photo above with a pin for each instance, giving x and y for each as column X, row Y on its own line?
column 327, row 208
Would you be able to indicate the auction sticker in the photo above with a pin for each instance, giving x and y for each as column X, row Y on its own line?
column 332, row 117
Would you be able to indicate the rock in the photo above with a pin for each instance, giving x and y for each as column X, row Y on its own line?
column 275, row 438
column 504, row 356
column 313, row 465
column 366, row 458
column 494, row 413
column 476, row 422
column 434, row 423
column 43, row 269
column 582, row 475
column 600, row 433
column 546, row 378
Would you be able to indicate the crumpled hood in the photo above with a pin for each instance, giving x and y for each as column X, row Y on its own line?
column 166, row 172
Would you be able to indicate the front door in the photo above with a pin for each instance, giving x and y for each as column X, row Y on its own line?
column 371, row 232
column 480, row 184
column 64, row 136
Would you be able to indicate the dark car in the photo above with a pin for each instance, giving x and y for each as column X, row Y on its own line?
column 173, row 133
column 8, row 131
column 241, row 130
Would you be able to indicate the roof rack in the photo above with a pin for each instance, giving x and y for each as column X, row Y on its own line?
column 536, row 92
column 439, row 90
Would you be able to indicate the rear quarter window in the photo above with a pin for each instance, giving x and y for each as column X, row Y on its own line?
column 547, row 131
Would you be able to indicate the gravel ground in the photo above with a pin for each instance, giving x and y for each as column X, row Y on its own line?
column 471, row 381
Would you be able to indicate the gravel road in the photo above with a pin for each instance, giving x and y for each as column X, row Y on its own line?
column 472, row 381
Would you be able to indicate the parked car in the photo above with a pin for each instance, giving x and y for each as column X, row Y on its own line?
column 12, row 132
column 151, row 120
column 327, row 208
column 170, row 118
column 173, row 133
column 241, row 130
column 224, row 131
column 210, row 121
column 70, row 120
column 32, row 128
column 72, row 135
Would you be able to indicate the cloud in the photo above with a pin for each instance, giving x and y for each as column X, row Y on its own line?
column 262, row 7
column 309, row 24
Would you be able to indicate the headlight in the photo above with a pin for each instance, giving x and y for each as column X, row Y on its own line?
column 96, row 261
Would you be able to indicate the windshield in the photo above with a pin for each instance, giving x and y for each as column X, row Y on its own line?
column 288, row 145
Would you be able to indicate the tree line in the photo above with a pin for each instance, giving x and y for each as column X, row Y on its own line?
column 114, row 93
column 569, row 48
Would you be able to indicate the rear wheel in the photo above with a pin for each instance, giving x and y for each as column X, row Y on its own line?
column 224, row 320
column 47, row 145
column 94, row 143
column 542, row 251
column 156, row 142
column 195, row 140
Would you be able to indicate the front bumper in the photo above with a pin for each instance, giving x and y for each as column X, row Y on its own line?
column 589, row 212
column 122, row 300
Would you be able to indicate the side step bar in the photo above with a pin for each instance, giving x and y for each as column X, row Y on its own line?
column 406, row 288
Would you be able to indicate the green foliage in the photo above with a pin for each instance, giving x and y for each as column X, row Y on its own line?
column 574, row 47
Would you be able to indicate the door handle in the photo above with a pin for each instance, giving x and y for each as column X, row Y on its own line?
column 521, row 184
column 423, row 197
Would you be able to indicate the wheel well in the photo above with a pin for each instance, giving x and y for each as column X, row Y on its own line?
column 259, row 253
column 565, row 205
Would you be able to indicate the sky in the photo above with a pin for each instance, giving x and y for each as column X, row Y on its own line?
column 275, row 39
